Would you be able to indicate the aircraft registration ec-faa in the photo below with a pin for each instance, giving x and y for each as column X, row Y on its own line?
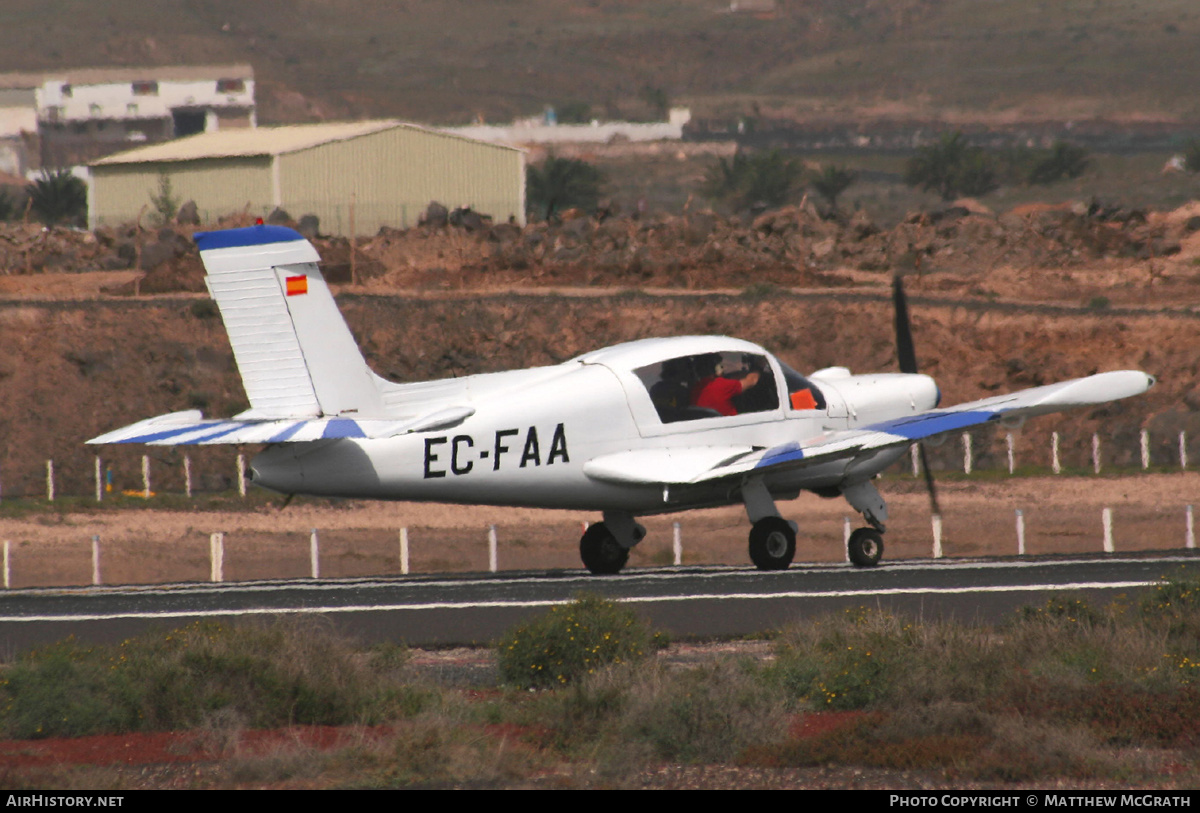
column 647, row 427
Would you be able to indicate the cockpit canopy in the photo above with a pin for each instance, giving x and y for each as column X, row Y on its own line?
column 723, row 383
column 688, row 378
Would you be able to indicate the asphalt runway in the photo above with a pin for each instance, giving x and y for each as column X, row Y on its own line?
column 701, row 602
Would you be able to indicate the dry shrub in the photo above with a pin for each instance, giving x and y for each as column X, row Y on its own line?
column 261, row 674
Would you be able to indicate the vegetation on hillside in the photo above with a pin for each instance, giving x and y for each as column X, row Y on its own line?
column 1062, row 691
column 451, row 61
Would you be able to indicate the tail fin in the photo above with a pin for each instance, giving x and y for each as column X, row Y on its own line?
column 293, row 349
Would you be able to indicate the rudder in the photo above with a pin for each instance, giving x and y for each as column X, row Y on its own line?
column 295, row 353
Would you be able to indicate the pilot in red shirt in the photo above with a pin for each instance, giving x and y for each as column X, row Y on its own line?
column 716, row 392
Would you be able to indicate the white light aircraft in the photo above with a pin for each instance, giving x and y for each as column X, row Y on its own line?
column 647, row 427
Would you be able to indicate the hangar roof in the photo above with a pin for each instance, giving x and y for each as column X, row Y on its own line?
column 264, row 141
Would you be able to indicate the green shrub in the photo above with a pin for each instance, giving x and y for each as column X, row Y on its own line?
column 571, row 641
column 264, row 675
column 1061, row 607
column 851, row 662
column 1061, row 161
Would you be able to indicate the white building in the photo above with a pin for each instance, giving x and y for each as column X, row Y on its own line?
column 73, row 116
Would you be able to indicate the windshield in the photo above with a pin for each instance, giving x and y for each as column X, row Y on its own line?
column 802, row 393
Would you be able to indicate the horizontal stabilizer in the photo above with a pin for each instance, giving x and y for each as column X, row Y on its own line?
column 189, row 428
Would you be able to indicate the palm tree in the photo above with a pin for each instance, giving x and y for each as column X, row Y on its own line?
column 59, row 197
column 562, row 183
column 832, row 181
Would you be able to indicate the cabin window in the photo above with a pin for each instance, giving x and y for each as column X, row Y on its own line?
column 802, row 393
column 710, row 385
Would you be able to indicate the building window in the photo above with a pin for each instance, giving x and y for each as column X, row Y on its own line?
column 66, row 91
column 95, row 109
column 53, row 112
column 231, row 85
column 145, row 88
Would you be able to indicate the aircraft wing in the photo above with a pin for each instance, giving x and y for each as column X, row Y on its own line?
column 695, row 465
column 190, row 428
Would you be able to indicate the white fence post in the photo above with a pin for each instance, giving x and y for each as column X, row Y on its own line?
column 96, row 559
column 1145, row 449
column 916, row 457
column 1096, row 452
column 314, row 554
column 187, row 475
column 492, row 563
column 404, row 551
column 936, row 521
column 241, row 466
column 968, row 462
column 1183, row 450
column 145, row 477
column 99, row 481
column 1055, row 465
column 1190, row 539
column 1020, row 532
column 677, row 544
column 7, row 569
column 1009, row 444
column 846, row 537
column 1106, row 518
column 216, row 556
column 50, row 480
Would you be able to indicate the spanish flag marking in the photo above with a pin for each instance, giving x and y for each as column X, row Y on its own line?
column 296, row 285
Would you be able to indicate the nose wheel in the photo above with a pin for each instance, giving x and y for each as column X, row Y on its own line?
column 772, row 544
column 865, row 547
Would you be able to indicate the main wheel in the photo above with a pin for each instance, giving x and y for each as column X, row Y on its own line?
column 602, row 554
column 865, row 547
column 772, row 544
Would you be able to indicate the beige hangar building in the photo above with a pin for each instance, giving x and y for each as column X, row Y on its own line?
column 376, row 173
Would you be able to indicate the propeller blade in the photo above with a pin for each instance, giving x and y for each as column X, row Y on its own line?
column 934, row 508
column 905, row 353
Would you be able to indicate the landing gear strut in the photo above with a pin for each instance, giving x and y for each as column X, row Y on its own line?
column 865, row 547
column 772, row 544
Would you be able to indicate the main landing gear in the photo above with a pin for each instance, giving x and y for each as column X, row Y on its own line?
column 604, row 547
column 772, row 544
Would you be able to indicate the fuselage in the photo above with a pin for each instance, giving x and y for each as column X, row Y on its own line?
column 533, row 431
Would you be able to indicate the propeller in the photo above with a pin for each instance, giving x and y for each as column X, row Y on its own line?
column 906, row 354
